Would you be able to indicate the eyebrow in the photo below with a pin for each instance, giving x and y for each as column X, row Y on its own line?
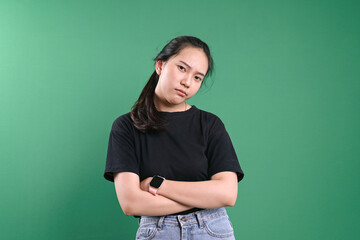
column 191, row 67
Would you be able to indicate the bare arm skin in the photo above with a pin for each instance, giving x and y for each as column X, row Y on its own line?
column 220, row 191
column 135, row 201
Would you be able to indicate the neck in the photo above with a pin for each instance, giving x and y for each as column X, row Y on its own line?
column 171, row 108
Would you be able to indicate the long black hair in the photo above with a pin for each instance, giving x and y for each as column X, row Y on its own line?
column 144, row 114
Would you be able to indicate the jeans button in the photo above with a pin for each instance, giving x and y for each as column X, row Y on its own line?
column 183, row 219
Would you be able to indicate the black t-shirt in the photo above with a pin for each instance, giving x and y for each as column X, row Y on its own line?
column 195, row 146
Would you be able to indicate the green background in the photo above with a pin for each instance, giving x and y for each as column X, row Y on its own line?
column 286, row 85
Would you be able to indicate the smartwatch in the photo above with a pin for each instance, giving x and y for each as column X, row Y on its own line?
column 155, row 184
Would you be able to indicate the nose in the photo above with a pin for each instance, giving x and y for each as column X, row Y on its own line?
column 186, row 81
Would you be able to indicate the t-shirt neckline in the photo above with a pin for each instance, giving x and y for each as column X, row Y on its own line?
column 180, row 113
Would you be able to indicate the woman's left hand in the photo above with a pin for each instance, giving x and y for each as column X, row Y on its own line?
column 144, row 184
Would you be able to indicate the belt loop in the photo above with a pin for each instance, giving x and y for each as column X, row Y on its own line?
column 200, row 221
column 160, row 222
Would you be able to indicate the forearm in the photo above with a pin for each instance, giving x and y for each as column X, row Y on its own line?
column 145, row 204
column 203, row 194
column 134, row 201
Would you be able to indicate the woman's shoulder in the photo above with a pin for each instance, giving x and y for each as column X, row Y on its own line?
column 122, row 121
column 213, row 124
column 209, row 116
column 211, row 120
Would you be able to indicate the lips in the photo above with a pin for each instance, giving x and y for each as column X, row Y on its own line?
column 181, row 92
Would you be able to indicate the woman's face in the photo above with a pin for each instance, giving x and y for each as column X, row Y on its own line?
column 179, row 79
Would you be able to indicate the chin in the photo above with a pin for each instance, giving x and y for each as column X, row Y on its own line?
column 177, row 101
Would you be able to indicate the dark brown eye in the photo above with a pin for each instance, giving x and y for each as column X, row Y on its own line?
column 181, row 67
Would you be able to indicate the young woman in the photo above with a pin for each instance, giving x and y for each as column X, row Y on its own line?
column 174, row 165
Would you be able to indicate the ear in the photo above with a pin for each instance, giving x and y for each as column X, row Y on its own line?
column 158, row 66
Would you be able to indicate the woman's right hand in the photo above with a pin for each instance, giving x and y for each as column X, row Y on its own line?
column 144, row 184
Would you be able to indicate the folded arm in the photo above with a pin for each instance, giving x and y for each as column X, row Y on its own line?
column 135, row 201
column 220, row 191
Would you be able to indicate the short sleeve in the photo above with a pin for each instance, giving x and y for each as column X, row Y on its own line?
column 121, row 155
column 220, row 151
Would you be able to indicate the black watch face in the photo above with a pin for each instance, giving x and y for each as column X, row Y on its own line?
column 156, row 182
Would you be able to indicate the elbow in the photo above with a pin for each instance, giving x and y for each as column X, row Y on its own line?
column 230, row 200
column 231, row 196
column 128, row 212
column 129, row 203
column 128, row 208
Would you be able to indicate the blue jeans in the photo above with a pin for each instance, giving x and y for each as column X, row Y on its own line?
column 205, row 225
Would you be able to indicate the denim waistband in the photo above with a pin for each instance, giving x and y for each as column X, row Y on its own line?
column 197, row 217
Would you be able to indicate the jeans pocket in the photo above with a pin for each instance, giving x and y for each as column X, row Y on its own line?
column 146, row 232
column 219, row 227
